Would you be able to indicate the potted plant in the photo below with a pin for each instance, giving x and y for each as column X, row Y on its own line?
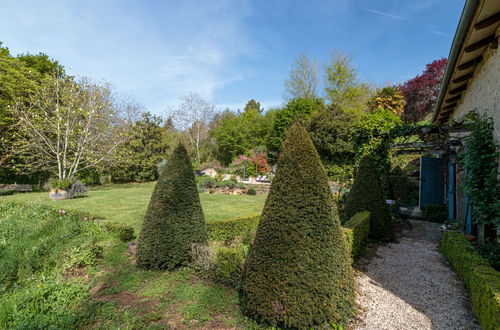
column 59, row 189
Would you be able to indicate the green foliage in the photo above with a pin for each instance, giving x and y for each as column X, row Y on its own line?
column 435, row 212
column 233, row 231
column 59, row 184
column 390, row 98
column 123, row 232
column 228, row 265
column 251, row 191
column 297, row 110
column 491, row 252
column 343, row 87
column 480, row 161
column 83, row 256
column 148, row 144
column 366, row 194
column 174, row 219
column 401, row 187
column 7, row 192
column 482, row 281
column 356, row 231
column 298, row 272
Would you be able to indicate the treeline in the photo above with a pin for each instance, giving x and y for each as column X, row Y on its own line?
column 56, row 125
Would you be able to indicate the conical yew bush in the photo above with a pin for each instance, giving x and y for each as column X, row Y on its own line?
column 174, row 218
column 298, row 273
column 367, row 194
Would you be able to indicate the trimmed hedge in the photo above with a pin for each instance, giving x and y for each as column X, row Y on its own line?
column 482, row 281
column 298, row 272
column 228, row 264
column 121, row 231
column 174, row 220
column 356, row 231
column 234, row 230
column 6, row 192
column 435, row 212
column 367, row 194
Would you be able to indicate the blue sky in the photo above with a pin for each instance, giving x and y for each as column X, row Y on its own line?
column 227, row 51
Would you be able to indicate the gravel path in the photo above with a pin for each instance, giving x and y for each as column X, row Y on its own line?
column 409, row 285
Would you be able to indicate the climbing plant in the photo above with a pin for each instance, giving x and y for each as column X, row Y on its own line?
column 480, row 161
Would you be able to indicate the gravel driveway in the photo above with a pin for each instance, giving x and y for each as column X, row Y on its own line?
column 409, row 285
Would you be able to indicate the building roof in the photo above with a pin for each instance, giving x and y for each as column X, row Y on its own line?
column 475, row 32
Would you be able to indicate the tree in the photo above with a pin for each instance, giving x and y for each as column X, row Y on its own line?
column 66, row 127
column 253, row 105
column 367, row 194
column 303, row 79
column 174, row 221
column 298, row 273
column 343, row 87
column 332, row 132
column 422, row 91
column 390, row 98
column 297, row 110
column 192, row 116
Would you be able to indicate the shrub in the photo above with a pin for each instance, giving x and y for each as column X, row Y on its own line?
column 235, row 230
column 367, row 194
column 227, row 183
column 121, row 231
column 298, row 273
column 356, row 231
column 482, row 281
column 228, row 265
column 207, row 182
column 435, row 212
column 174, row 219
column 59, row 184
column 252, row 192
column 6, row 192
column 83, row 255
column 77, row 189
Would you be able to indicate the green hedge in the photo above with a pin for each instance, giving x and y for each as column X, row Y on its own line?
column 356, row 231
column 123, row 232
column 228, row 264
column 482, row 281
column 435, row 212
column 234, row 230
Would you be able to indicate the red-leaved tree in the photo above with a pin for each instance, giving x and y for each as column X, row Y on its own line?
column 422, row 91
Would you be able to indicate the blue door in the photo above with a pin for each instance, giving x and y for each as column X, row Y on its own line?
column 451, row 192
column 431, row 181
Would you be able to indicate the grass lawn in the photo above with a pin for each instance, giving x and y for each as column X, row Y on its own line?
column 127, row 203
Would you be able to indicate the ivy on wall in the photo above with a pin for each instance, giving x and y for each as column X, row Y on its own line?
column 480, row 161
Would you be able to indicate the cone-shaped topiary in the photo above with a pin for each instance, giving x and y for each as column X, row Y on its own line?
column 298, row 272
column 367, row 194
column 174, row 218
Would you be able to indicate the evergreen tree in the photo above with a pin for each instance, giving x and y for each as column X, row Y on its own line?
column 367, row 195
column 174, row 219
column 298, row 273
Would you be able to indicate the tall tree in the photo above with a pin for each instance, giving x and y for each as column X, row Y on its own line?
column 303, row 79
column 66, row 127
column 422, row 91
column 193, row 116
column 343, row 87
column 298, row 273
column 390, row 98
column 253, row 105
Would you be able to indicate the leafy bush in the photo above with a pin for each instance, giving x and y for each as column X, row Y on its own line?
column 482, row 281
column 298, row 273
column 121, row 231
column 367, row 194
column 82, row 256
column 252, row 192
column 207, row 182
column 77, row 189
column 6, row 192
column 435, row 212
column 59, row 184
column 228, row 265
column 233, row 231
column 174, row 219
column 356, row 231
column 227, row 183
column 490, row 252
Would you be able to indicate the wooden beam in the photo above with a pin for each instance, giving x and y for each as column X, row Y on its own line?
column 487, row 21
column 479, row 44
column 471, row 63
column 457, row 90
column 449, row 107
column 465, row 77
column 453, row 99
